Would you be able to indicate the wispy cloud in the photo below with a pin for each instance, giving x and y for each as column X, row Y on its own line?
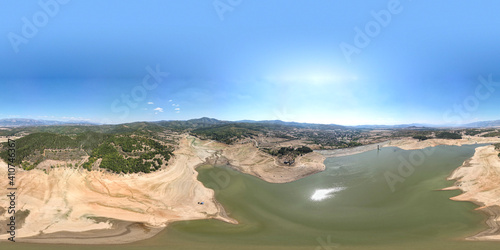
column 151, row 103
column 176, row 107
column 158, row 109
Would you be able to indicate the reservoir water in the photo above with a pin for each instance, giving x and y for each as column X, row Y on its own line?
column 387, row 199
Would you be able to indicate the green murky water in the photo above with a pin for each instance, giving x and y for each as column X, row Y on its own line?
column 386, row 199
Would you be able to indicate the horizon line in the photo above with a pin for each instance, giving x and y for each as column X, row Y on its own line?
column 424, row 124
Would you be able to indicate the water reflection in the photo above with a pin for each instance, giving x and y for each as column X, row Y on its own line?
column 321, row 194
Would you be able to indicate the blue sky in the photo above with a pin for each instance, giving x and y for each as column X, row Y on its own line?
column 344, row 62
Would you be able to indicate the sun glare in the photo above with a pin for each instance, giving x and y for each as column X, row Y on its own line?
column 314, row 78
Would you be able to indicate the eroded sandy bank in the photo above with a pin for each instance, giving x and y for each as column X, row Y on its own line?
column 408, row 144
column 68, row 200
column 413, row 144
column 79, row 207
column 250, row 160
column 479, row 179
column 75, row 206
column 352, row 151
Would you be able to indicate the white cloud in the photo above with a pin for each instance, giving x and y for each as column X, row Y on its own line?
column 158, row 109
column 151, row 103
column 177, row 109
column 169, row 100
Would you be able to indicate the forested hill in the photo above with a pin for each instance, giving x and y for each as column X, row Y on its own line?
column 135, row 147
column 147, row 146
column 120, row 153
column 178, row 126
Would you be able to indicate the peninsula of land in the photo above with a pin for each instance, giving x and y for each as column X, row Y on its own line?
column 76, row 206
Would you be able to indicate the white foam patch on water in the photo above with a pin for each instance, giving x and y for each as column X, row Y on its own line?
column 321, row 194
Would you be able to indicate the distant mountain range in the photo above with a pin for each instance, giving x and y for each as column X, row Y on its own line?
column 207, row 122
column 298, row 124
column 22, row 122
column 484, row 124
column 413, row 125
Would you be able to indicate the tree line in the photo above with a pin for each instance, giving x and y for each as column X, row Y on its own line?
column 149, row 154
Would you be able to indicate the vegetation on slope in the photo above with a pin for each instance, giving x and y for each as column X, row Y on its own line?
column 119, row 153
column 448, row 135
column 492, row 134
column 412, row 132
column 207, row 128
column 228, row 133
column 288, row 154
column 37, row 143
column 473, row 132
column 290, row 151
column 420, row 137
column 497, row 147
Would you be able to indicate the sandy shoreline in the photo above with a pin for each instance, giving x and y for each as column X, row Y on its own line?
column 351, row 151
column 479, row 179
column 413, row 144
column 64, row 202
column 407, row 144
column 122, row 232
column 250, row 160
